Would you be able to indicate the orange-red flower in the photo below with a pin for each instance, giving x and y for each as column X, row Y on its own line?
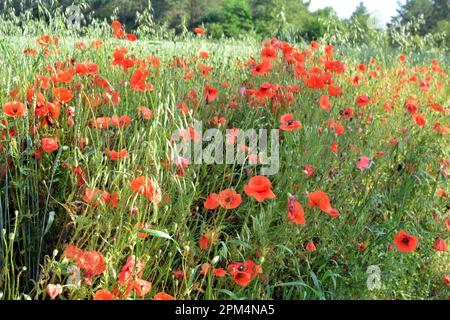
column 324, row 102
column 320, row 199
column 229, row 199
column 103, row 295
column 295, row 211
column 288, row 123
column 117, row 155
column 92, row 262
column 363, row 163
column 310, row 247
column 259, row 187
column 440, row 245
column 144, row 186
column 362, row 101
column 199, row 31
column 14, row 109
column 242, row 273
column 405, row 242
column 163, row 296
column 219, row 272
column 144, row 113
column 204, row 242
column 131, row 37
column 210, row 93
column 212, row 202
column 130, row 278
column 49, row 144
column 63, row 95
column 268, row 53
column 308, row 170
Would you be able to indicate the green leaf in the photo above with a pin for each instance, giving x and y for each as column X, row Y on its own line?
column 51, row 218
column 160, row 234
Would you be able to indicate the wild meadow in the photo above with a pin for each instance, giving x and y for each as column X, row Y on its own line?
column 95, row 203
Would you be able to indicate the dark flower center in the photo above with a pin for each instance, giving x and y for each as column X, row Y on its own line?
column 405, row 241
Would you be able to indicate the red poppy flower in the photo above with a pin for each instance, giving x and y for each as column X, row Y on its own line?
column 62, row 94
column 130, row 270
column 440, row 245
column 178, row 274
column 63, row 76
column 362, row 101
column 199, row 31
column 131, row 37
column 144, row 113
column 97, row 44
column 324, row 102
column 118, row 33
column 143, row 235
column 308, row 170
column 163, row 296
column 363, row 163
column 116, row 24
column 242, row 273
column 420, row 120
column 334, row 90
column 141, row 287
column 310, row 246
column 117, row 155
column 204, row 242
column 295, row 211
column 405, row 242
column 212, row 202
column 121, row 121
column 229, row 199
column 361, row 246
column 144, row 186
column 314, row 45
column 210, row 93
column 49, row 144
column 347, row 113
column 441, row 192
column 219, row 272
column 205, row 268
column 103, row 295
column 334, row 148
column 92, row 196
column 92, row 262
column 259, row 187
column 262, row 68
column 130, row 277
column 289, row 124
column 268, row 53
column 447, row 223
column 320, row 199
column 14, row 109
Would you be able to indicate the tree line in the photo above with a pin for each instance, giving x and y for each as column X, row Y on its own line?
column 242, row 18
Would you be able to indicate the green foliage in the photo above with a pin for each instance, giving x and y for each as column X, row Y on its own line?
column 290, row 20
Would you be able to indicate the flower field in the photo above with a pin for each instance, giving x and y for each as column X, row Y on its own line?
column 96, row 204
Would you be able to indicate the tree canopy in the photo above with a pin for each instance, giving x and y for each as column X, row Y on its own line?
column 238, row 18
